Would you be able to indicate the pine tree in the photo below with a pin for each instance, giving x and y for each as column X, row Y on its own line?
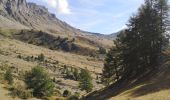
column 38, row 80
column 138, row 49
column 162, row 8
column 85, row 81
column 143, row 40
column 111, row 71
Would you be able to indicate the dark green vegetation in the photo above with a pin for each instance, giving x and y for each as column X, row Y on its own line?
column 26, row 40
column 36, row 83
column 41, row 57
column 102, row 50
column 83, row 76
column 66, row 93
column 69, row 96
column 138, row 50
column 40, row 38
column 8, row 77
column 86, row 81
column 71, row 73
column 38, row 80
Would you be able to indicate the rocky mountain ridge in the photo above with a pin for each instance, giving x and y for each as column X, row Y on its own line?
column 34, row 16
column 19, row 14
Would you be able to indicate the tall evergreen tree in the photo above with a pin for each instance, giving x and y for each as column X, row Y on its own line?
column 138, row 49
column 112, row 69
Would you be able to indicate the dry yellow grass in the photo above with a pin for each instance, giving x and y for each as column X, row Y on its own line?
column 161, row 95
column 13, row 47
column 4, row 94
column 153, row 86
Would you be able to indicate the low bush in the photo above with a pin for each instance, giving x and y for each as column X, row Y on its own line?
column 8, row 76
column 41, row 57
column 66, row 93
column 74, row 97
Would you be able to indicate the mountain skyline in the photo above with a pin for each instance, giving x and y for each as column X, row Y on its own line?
column 100, row 16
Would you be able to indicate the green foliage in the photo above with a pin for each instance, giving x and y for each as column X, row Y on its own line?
column 74, row 97
column 112, row 69
column 71, row 73
column 138, row 49
column 38, row 80
column 85, row 81
column 8, row 76
column 77, row 94
column 44, row 39
column 76, row 74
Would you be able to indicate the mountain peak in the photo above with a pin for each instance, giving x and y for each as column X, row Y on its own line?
column 19, row 14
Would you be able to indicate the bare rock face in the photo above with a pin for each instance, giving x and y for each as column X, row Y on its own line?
column 34, row 16
column 19, row 14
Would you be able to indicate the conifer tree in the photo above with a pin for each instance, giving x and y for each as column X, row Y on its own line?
column 111, row 71
column 85, row 81
column 138, row 49
column 39, row 80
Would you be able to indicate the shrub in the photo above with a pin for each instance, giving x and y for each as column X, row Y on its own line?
column 8, row 76
column 69, row 74
column 75, row 96
column 19, row 56
column 66, row 93
column 85, row 81
column 41, row 57
column 76, row 74
column 102, row 50
column 38, row 80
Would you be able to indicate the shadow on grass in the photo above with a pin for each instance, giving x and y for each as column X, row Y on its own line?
column 162, row 82
column 108, row 92
column 151, row 82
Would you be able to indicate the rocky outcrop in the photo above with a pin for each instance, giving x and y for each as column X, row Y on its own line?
column 19, row 14
column 34, row 17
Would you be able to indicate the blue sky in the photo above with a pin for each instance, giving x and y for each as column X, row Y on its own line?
column 100, row 16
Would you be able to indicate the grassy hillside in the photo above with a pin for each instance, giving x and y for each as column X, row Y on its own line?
column 21, row 56
column 156, row 87
column 152, row 86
